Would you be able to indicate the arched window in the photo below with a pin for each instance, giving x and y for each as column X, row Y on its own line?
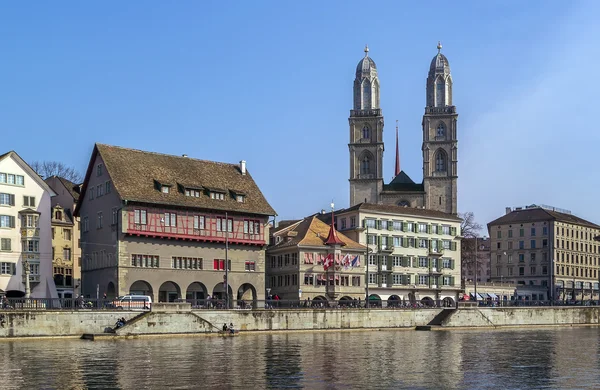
column 365, row 165
column 366, row 132
column 441, row 130
column 440, row 98
column 366, row 95
column 58, row 215
column 440, row 161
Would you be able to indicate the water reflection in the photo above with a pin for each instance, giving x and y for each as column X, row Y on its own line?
column 514, row 359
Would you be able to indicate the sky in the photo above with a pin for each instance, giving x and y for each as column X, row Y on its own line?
column 270, row 82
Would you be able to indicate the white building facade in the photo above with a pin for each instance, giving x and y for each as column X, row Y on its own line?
column 25, row 230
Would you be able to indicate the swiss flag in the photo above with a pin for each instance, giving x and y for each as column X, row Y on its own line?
column 328, row 262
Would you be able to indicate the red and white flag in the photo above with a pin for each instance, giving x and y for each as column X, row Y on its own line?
column 328, row 262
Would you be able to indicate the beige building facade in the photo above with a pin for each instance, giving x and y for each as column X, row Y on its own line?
column 413, row 254
column 66, row 250
column 297, row 268
column 549, row 253
column 167, row 226
column 438, row 190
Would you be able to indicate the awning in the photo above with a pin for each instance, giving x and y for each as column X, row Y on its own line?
column 493, row 296
column 479, row 297
column 484, row 295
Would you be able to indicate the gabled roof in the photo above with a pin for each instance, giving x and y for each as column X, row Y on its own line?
column 403, row 183
column 313, row 232
column 69, row 186
column 402, row 178
column 33, row 174
column 134, row 174
column 534, row 214
column 400, row 210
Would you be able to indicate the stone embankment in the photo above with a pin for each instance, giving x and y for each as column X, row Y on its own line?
column 180, row 319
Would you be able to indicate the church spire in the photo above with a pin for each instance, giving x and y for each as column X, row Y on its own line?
column 397, row 171
column 332, row 238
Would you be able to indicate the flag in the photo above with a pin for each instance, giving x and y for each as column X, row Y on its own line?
column 328, row 262
column 355, row 262
column 346, row 261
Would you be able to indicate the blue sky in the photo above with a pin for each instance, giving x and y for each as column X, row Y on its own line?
column 271, row 82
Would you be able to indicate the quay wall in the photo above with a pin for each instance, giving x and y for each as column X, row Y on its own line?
column 181, row 320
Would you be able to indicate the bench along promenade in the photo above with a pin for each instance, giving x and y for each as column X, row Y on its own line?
column 46, row 319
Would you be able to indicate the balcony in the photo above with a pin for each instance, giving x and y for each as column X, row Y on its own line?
column 386, row 248
column 371, row 112
column 435, row 270
column 440, row 110
column 436, row 251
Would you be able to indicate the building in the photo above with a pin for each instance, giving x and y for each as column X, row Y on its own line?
column 25, row 231
column 472, row 259
column 166, row 226
column 414, row 254
column 548, row 252
column 438, row 191
column 296, row 266
column 66, row 251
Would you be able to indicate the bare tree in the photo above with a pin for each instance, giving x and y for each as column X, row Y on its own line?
column 55, row 168
column 469, row 229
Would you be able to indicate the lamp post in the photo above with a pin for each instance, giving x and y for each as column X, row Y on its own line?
column 477, row 265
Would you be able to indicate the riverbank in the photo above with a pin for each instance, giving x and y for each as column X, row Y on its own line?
column 179, row 319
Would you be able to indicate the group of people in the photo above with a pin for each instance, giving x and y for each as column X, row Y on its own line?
column 228, row 328
column 6, row 303
column 120, row 322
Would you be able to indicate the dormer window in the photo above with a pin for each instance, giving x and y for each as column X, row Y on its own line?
column 58, row 215
column 239, row 198
column 165, row 189
column 192, row 192
column 217, row 195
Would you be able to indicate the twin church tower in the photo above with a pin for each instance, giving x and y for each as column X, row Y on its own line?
column 440, row 175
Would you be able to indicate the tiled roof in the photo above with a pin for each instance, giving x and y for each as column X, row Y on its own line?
column 534, row 214
column 70, row 186
column 311, row 231
column 389, row 208
column 134, row 174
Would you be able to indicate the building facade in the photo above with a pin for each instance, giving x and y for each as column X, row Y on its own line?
column 297, row 267
column 414, row 254
column 549, row 253
column 25, row 231
column 167, row 226
column 438, row 191
column 479, row 260
column 66, row 250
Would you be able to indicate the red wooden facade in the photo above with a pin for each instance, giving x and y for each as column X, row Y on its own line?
column 194, row 225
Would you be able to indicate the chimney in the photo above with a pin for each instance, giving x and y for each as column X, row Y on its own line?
column 508, row 210
column 184, row 155
column 243, row 167
column 322, row 211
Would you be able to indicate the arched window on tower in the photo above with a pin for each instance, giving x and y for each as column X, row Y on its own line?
column 366, row 95
column 366, row 132
column 441, row 161
column 365, row 165
column 440, row 90
column 441, row 131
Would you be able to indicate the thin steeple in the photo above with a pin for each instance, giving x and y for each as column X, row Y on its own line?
column 397, row 171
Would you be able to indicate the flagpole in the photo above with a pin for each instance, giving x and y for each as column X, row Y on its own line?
column 227, row 260
column 367, row 266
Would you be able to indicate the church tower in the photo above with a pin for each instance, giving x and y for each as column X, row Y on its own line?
column 440, row 157
column 366, row 135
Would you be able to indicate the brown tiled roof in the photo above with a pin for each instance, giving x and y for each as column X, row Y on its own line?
column 390, row 208
column 534, row 214
column 311, row 231
column 69, row 185
column 134, row 172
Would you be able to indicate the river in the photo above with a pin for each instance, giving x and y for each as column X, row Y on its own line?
column 556, row 358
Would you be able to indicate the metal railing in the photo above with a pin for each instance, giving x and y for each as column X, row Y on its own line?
column 70, row 304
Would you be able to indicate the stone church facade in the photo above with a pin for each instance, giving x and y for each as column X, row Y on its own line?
column 438, row 190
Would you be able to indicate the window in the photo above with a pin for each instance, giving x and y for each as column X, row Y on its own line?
column 219, row 265
column 9, row 178
column 67, row 234
column 67, row 254
column 365, row 165
column 521, row 271
column 186, row 263
column 199, row 222
column 250, row 266
column 509, row 260
column 343, row 223
column 446, row 230
column 440, row 161
column 532, row 244
column 192, row 192
column 165, row 189
column 372, row 278
column 239, row 198
column 29, row 201
column 217, row 195
column 521, row 232
column 31, row 246
column 5, row 244
column 170, row 219
column 544, row 270
column 139, row 217
column 532, row 270
column 441, row 131
column 99, row 221
column 397, row 261
column 352, row 221
column 251, row 227
column 372, row 260
column 7, row 200
column 521, row 244
column 370, row 223
column 7, row 221
column 423, row 279
column 145, row 261
column 532, row 256
column 221, row 225
column 30, row 221
column 521, row 257
column 533, row 232
column 422, row 261
column 422, row 228
column 510, row 233
column 99, row 169
column 91, row 193
column 99, row 190
column 8, row 268
column 366, row 133
column 422, row 243
column 545, row 230
column 115, row 216
column 86, row 224
column 499, row 234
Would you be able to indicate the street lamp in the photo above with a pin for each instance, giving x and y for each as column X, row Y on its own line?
column 477, row 264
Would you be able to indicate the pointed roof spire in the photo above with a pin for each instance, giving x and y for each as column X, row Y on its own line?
column 332, row 238
column 397, row 171
column 366, row 50
column 439, row 46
